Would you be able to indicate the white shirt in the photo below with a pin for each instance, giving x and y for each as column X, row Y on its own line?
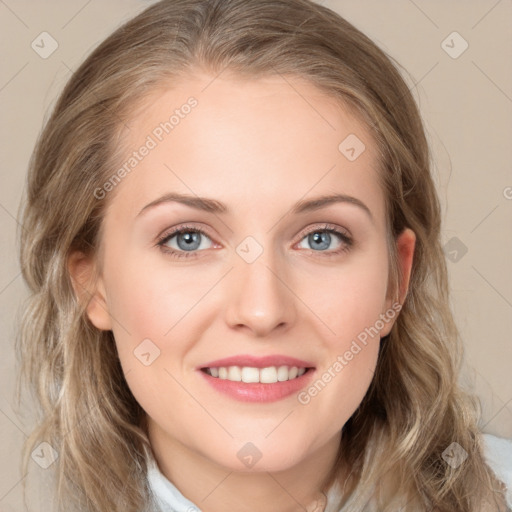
column 497, row 451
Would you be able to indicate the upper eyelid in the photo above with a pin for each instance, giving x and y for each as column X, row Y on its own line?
column 326, row 226
column 169, row 233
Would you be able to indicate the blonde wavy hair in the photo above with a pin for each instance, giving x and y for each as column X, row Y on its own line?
column 414, row 408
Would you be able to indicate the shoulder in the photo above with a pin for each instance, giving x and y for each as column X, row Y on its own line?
column 498, row 455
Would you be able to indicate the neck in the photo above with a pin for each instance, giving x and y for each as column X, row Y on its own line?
column 215, row 488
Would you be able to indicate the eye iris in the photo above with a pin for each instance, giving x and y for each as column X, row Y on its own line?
column 320, row 237
column 190, row 238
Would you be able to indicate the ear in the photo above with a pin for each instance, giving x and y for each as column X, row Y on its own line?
column 405, row 244
column 89, row 290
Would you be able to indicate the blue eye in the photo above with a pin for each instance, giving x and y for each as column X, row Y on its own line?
column 187, row 241
column 321, row 239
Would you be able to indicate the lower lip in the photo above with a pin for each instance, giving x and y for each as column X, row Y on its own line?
column 256, row 391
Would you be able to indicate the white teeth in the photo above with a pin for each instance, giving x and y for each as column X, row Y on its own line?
column 269, row 375
column 250, row 374
column 282, row 373
column 234, row 373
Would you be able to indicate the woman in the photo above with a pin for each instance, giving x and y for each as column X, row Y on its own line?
column 240, row 299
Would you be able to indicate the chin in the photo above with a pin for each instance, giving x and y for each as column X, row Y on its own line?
column 257, row 455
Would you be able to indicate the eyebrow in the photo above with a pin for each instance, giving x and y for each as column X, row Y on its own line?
column 213, row 206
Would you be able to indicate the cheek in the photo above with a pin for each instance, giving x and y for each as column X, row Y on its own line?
column 152, row 306
column 343, row 379
column 350, row 308
column 149, row 298
column 350, row 297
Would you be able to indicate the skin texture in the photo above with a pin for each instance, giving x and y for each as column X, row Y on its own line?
column 258, row 146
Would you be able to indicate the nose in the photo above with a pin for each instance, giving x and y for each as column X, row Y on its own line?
column 260, row 299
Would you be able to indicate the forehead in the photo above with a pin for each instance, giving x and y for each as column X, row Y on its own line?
column 250, row 140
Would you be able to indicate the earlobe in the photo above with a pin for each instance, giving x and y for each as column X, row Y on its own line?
column 89, row 290
column 405, row 245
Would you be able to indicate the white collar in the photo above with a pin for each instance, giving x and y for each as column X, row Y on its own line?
column 167, row 496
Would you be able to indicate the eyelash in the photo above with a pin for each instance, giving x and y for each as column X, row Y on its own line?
column 346, row 241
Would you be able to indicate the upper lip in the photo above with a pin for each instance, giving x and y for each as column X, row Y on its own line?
column 257, row 362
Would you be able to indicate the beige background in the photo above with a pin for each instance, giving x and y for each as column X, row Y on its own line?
column 467, row 106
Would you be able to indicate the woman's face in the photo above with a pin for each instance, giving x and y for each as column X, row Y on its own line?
column 265, row 273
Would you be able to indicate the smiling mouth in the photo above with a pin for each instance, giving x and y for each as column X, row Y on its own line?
column 248, row 374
